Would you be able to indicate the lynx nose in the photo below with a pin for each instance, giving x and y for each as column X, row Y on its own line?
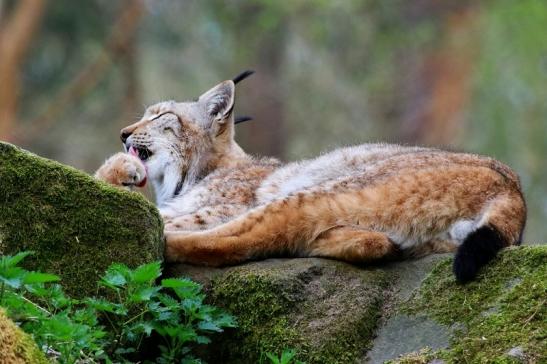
column 124, row 135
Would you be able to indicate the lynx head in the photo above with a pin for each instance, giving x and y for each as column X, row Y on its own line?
column 179, row 142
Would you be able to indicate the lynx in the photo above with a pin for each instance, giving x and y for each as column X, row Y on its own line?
column 358, row 204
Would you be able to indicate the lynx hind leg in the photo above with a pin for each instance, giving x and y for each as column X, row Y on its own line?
column 352, row 244
column 122, row 169
column 501, row 225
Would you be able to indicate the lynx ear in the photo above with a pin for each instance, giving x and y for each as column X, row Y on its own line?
column 219, row 101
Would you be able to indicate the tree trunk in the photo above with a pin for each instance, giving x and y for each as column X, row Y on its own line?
column 266, row 134
column 16, row 33
column 438, row 94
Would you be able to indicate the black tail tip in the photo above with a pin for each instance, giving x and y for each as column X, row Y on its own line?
column 477, row 250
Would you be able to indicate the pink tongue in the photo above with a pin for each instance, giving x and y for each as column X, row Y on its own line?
column 133, row 151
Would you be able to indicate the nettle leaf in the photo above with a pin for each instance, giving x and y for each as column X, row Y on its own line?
column 144, row 294
column 203, row 340
column 225, row 320
column 191, row 306
column 115, row 276
column 147, row 272
column 185, row 333
column 183, row 288
column 60, row 328
column 57, row 297
column 274, row 359
column 7, row 261
column 38, row 290
column 130, row 333
column 145, row 327
column 190, row 360
column 86, row 316
column 13, row 276
column 100, row 304
column 179, row 283
column 20, row 308
column 287, row 356
column 121, row 351
column 167, row 316
column 37, row 277
column 169, row 302
column 209, row 326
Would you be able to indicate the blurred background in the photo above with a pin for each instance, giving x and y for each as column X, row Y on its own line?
column 466, row 75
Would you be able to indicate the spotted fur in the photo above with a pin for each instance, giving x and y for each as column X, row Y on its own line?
column 222, row 206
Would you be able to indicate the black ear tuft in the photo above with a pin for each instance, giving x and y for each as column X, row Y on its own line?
column 242, row 119
column 477, row 250
column 243, row 75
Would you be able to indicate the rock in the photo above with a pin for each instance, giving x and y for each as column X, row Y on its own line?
column 398, row 333
column 16, row 347
column 512, row 291
column 76, row 225
column 517, row 353
column 326, row 310
column 332, row 312
column 404, row 334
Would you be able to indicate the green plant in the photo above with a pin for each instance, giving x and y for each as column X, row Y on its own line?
column 52, row 318
column 287, row 357
column 110, row 330
column 180, row 319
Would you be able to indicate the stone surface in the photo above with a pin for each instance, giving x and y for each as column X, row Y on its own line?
column 16, row 347
column 398, row 333
column 326, row 310
column 76, row 225
column 403, row 334
column 406, row 312
column 501, row 317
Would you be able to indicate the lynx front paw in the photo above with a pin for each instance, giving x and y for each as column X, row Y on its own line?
column 123, row 169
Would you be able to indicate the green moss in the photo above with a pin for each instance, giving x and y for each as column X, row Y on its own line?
column 261, row 306
column 359, row 302
column 424, row 356
column 76, row 225
column 504, row 308
column 325, row 310
column 17, row 347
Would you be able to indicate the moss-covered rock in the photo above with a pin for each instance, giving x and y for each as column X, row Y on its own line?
column 332, row 312
column 76, row 225
column 17, row 347
column 499, row 318
column 326, row 310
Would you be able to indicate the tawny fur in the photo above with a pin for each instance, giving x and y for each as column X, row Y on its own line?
column 222, row 206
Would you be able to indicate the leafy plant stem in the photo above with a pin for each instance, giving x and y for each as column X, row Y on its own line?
column 136, row 317
column 2, row 288
column 35, row 305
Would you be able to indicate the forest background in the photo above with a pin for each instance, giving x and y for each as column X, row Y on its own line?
column 465, row 75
